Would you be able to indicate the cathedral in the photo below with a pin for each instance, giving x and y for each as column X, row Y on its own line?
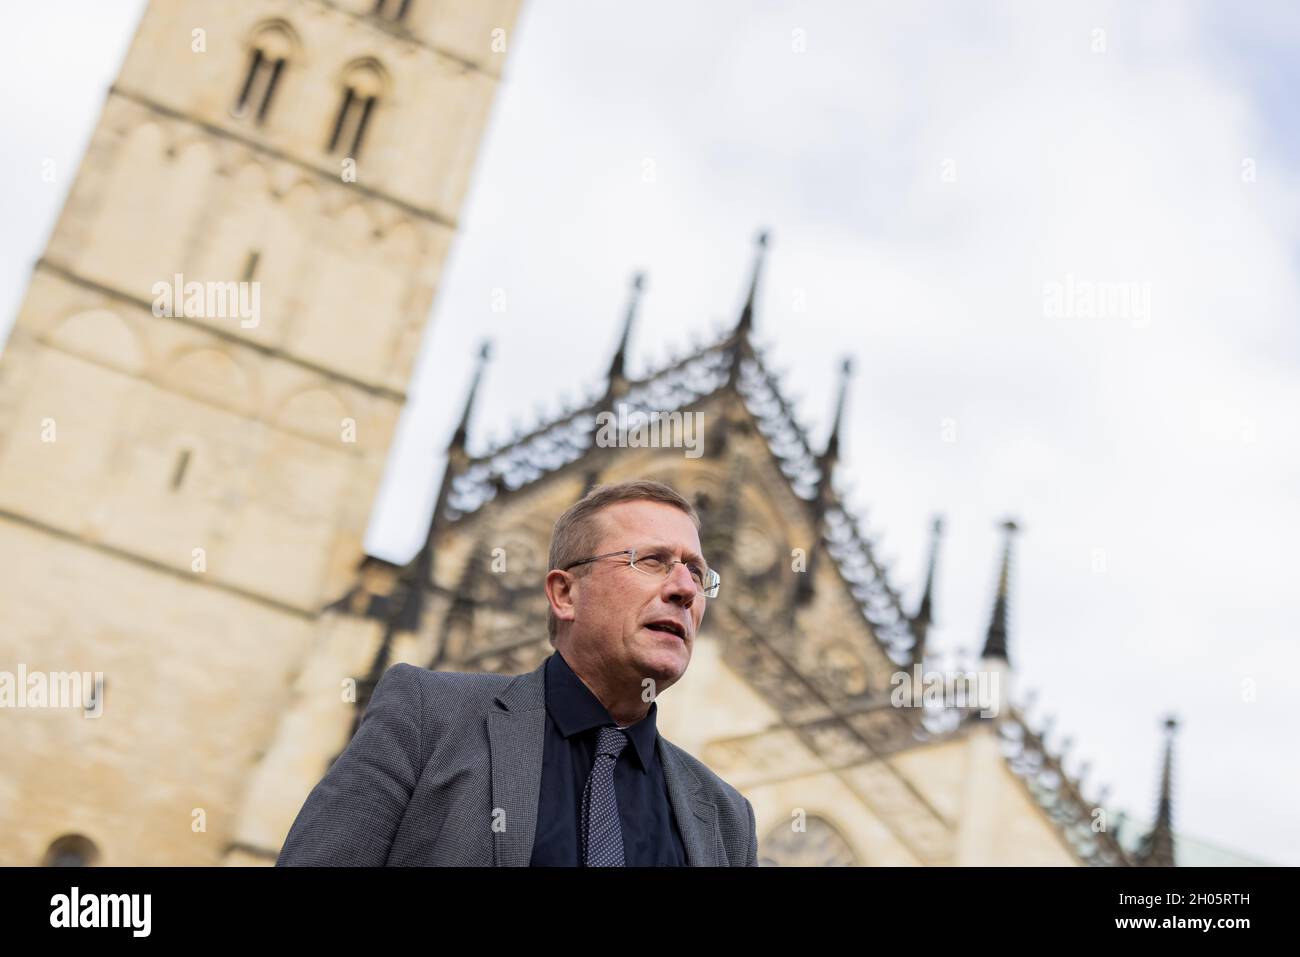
column 185, row 489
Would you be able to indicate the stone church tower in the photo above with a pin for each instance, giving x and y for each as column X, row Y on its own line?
column 199, row 392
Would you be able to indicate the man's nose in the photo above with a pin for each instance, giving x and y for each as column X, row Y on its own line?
column 681, row 586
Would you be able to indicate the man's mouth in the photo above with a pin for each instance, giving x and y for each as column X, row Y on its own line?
column 669, row 627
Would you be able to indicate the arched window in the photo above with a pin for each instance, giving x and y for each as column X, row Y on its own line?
column 363, row 84
column 71, row 850
column 269, row 50
column 391, row 9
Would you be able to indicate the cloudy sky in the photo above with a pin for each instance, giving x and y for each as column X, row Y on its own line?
column 945, row 183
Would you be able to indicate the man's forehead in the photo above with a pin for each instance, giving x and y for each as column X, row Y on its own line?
column 652, row 522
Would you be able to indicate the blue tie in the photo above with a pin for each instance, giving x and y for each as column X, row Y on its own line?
column 602, row 834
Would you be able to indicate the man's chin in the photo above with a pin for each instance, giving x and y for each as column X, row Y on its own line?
column 664, row 663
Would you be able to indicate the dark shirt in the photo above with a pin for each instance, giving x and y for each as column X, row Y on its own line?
column 573, row 718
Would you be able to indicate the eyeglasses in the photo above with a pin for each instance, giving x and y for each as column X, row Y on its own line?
column 659, row 564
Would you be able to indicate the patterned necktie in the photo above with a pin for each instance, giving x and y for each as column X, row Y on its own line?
column 602, row 834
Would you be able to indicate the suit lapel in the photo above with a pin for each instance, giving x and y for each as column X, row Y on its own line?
column 516, row 741
column 516, row 738
column 696, row 817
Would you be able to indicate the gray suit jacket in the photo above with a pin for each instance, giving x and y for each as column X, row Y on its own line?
column 446, row 768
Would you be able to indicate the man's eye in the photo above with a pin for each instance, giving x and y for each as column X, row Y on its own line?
column 696, row 572
column 651, row 563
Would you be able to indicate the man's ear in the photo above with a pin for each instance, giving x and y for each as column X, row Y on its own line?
column 561, row 587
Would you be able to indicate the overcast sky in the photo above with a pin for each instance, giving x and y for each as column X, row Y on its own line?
column 930, row 173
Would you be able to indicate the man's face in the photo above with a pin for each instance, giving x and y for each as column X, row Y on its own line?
column 615, row 604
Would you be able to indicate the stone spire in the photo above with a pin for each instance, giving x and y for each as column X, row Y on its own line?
column 617, row 378
column 742, row 348
column 924, row 616
column 420, row 572
column 831, row 454
column 826, row 462
column 746, row 324
column 461, row 434
column 1157, row 846
column 995, row 641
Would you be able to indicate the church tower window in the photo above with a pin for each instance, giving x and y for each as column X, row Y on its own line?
column 362, row 87
column 269, row 50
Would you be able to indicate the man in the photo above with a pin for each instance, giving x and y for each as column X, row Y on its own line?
column 562, row 766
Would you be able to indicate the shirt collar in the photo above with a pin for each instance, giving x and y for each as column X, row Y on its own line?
column 575, row 709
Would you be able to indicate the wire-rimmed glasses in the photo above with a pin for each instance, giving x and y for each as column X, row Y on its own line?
column 659, row 563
